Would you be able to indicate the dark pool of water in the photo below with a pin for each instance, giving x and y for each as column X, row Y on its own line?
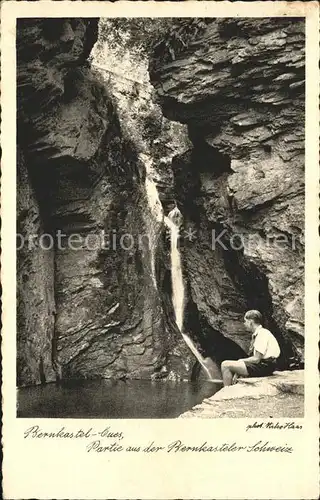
column 112, row 399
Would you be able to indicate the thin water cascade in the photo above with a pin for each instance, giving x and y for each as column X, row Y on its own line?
column 156, row 212
column 173, row 222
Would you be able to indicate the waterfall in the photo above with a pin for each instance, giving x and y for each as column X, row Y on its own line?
column 173, row 222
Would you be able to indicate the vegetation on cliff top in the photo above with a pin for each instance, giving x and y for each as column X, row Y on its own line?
column 150, row 36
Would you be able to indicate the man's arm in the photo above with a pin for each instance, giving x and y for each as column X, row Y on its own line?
column 256, row 357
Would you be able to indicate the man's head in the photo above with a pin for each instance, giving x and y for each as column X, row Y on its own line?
column 252, row 319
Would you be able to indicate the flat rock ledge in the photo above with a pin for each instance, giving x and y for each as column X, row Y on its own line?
column 280, row 395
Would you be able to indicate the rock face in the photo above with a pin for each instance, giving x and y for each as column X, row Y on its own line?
column 89, row 306
column 155, row 137
column 157, row 140
column 35, row 287
column 239, row 86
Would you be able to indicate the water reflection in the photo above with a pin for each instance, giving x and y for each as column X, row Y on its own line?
column 112, row 399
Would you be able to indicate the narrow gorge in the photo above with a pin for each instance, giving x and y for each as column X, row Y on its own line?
column 207, row 124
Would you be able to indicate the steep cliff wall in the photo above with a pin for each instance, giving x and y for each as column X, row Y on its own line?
column 125, row 72
column 239, row 86
column 47, row 51
column 99, row 312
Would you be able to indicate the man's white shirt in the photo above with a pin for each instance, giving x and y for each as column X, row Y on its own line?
column 265, row 343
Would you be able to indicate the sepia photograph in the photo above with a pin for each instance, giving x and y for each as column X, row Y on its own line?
column 160, row 249
column 160, row 217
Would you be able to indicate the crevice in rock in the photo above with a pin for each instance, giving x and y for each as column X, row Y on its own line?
column 192, row 169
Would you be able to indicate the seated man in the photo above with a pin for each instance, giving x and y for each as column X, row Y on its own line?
column 264, row 347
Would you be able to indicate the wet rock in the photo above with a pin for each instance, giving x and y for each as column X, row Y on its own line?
column 280, row 395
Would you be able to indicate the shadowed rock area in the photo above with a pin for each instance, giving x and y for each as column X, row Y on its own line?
column 280, row 395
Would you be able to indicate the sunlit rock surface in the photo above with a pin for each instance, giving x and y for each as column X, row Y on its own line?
column 35, row 287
